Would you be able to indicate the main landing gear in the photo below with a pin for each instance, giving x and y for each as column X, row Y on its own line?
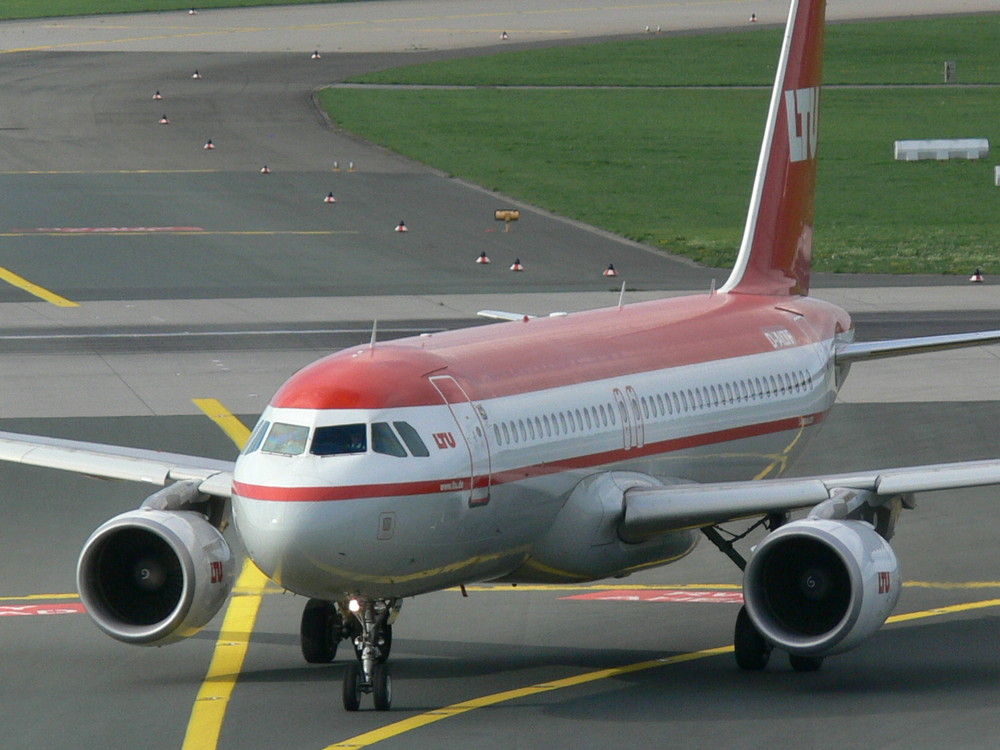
column 368, row 624
column 753, row 652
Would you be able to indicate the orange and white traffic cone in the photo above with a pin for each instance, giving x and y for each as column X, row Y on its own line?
column 753, row 18
column 157, row 96
column 315, row 55
column 401, row 227
column 482, row 258
column 977, row 277
column 517, row 265
column 164, row 120
column 610, row 270
column 209, row 145
column 265, row 169
column 329, row 198
column 196, row 75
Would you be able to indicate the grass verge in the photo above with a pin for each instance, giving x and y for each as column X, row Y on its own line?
column 673, row 166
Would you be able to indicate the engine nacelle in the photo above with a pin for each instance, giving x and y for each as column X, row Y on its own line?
column 818, row 587
column 153, row 577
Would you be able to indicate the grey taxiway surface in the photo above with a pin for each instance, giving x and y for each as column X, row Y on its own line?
column 258, row 277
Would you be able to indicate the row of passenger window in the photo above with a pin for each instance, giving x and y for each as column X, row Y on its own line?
column 586, row 419
column 726, row 394
column 560, row 423
column 287, row 439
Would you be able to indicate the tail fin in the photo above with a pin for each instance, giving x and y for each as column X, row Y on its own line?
column 776, row 251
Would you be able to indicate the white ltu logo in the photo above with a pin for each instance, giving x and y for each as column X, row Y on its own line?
column 802, row 110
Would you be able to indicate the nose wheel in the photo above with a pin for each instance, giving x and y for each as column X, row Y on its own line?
column 369, row 675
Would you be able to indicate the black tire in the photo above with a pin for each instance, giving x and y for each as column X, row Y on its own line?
column 352, row 686
column 319, row 632
column 752, row 651
column 805, row 663
column 382, row 687
column 384, row 646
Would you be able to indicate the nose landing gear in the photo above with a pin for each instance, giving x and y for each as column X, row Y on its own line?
column 370, row 674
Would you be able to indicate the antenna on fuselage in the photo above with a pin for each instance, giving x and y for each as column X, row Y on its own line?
column 374, row 334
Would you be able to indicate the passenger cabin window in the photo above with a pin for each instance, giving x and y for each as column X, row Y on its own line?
column 257, row 436
column 384, row 440
column 412, row 439
column 286, row 439
column 336, row 440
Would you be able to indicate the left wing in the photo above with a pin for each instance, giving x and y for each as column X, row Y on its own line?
column 655, row 510
column 213, row 477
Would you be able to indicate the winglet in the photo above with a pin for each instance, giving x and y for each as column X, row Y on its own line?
column 776, row 252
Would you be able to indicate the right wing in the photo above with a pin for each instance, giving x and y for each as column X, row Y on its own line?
column 213, row 477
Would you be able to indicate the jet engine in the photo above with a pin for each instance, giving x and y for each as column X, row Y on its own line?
column 818, row 587
column 152, row 577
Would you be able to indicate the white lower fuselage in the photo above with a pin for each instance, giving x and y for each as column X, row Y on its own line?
column 501, row 467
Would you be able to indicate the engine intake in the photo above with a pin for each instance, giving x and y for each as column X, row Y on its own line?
column 153, row 577
column 819, row 587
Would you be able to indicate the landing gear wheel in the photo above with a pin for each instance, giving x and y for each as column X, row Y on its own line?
column 352, row 686
column 320, row 631
column 752, row 651
column 384, row 645
column 381, row 687
column 805, row 663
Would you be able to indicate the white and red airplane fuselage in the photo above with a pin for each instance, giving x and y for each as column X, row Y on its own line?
column 513, row 417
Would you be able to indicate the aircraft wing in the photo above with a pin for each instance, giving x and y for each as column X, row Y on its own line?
column 856, row 351
column 655, row 510
column 214, row 477
column 502, row 315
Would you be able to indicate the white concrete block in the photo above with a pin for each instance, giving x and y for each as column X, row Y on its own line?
column 942, row 148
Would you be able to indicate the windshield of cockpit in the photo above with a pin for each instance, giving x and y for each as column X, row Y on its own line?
column 398, row 439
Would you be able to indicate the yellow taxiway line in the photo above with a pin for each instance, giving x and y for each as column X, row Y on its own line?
column 457, row 709
column 209, row 711
column 21, row 283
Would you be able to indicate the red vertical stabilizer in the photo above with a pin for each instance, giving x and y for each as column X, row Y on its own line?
column 776, row 251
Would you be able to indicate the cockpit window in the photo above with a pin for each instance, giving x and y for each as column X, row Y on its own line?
column 288, row 439
column 257, row 436
column 384, row 440
column 339, row 439
column 412, row 439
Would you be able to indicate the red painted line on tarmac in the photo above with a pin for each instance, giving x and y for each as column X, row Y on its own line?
column 98, row 230
column 28, row 610
column 672, row 596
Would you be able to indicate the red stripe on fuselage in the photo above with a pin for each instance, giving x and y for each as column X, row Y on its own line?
column 429, row 487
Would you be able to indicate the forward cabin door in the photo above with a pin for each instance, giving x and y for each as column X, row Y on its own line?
column 473, row 434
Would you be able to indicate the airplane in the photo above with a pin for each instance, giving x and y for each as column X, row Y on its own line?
column 566, row 448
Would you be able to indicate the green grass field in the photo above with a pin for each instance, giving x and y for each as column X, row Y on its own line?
column 11, row 9
column 673, row 166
